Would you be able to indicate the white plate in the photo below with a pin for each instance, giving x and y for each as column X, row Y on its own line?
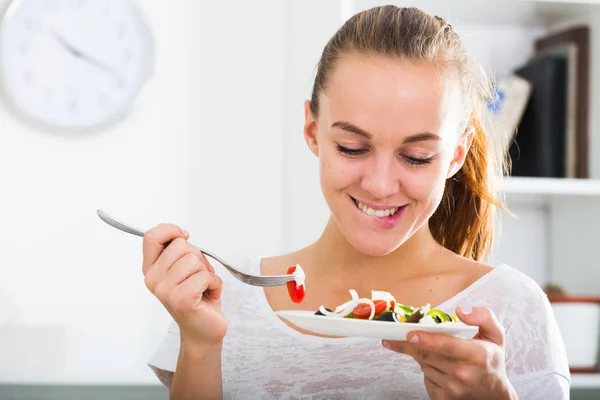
column 347, row 327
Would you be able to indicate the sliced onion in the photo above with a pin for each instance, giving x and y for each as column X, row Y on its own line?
column 380, row 295
column 338, row 312
column 347, row 304
column 329, row 313
column 370, row 303
column 346, row 308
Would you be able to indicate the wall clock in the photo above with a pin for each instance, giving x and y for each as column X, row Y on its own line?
column 74, row 64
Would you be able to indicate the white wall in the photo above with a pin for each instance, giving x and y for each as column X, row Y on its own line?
column 201, row 149
column 236, row 125
column 308, row 26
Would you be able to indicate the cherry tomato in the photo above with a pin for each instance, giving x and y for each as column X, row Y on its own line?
column 296, row 292
column 392, row 305
column 363, row 311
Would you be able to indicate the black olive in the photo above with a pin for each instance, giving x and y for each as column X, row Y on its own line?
column 386, row 316
column 390, row 316
column 320, row 313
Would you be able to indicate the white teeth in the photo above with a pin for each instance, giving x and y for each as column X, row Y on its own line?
column 377, row 213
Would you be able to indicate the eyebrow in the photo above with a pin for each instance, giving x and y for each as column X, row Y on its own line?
column 419, row 137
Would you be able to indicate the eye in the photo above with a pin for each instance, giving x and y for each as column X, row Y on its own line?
column 417, row 161
column 351, row 152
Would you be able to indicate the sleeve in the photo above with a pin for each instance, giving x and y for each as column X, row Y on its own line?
column 164, row 359
column 542, row 386
column 536, row 360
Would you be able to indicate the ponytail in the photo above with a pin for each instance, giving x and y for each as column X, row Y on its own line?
column 464, row 221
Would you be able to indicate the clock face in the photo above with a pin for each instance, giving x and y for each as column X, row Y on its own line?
column 74, row 63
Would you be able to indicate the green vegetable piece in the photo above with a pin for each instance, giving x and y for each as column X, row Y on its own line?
column 408, row 311
column 439, row 316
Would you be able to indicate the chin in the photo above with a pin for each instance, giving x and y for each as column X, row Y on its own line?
column 376, row 246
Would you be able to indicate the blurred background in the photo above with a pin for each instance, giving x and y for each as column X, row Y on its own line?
column 191, row 112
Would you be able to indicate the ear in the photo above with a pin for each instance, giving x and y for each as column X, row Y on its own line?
column 310, row 129
column 461, row 151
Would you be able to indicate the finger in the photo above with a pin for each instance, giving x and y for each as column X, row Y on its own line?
column 205, row 261
column 203, row 282
column 440, row 362
column 424, row 356
column 185, row 267
column 177, row 249
column 400, row 346
column 155, row 239
column 450, row 375
column 490, row 328
column 155, row 273
column 449, row 346
column 434, row 390
column 436, row 376
column 174, row 252
column 450, row 386
column 405, row 347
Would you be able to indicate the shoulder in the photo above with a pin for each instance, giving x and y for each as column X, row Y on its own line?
column 469, row 271
column 515, row 298
column 279, row 264
column 525, row 302
column 533, row 342
column 502, row 288
column 504, row 281
column 518, row 287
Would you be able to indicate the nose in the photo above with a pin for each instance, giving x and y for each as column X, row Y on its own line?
column 380, row 178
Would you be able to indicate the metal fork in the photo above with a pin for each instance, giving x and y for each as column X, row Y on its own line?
column 254, row 280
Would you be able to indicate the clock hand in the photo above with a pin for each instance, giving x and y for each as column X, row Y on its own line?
column 78, row 54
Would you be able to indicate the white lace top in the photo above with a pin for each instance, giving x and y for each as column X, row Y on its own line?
column 263, row 358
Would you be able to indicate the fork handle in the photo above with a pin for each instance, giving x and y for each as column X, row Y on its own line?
column 137, row 232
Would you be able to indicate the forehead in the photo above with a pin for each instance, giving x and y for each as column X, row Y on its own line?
column 393, row 96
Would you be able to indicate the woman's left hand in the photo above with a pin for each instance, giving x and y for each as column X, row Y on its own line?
column 456, row 368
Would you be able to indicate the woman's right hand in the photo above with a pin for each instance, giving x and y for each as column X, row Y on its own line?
column 185, row 283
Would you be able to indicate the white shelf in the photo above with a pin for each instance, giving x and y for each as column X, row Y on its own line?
column 513, row 12
column 585, row 381
column 551, row 186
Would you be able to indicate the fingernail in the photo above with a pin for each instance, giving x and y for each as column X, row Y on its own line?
column 466, row 310
column 386, row 344
column 414, row 339
column 185, row 233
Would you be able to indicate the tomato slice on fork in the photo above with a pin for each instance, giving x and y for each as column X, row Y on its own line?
column 296, row 292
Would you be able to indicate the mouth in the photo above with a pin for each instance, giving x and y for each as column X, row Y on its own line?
column 388, row 212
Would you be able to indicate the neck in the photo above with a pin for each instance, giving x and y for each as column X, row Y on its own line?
column 347, row 267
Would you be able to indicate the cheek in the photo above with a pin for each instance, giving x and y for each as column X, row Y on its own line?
column 337, row 173
column 425, row 184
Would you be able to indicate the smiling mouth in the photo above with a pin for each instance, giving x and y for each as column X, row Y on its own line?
column 376, row 213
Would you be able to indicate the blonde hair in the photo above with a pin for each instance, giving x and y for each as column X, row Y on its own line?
column 464, row 221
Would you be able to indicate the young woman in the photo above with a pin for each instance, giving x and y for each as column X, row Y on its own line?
column 407, row 171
